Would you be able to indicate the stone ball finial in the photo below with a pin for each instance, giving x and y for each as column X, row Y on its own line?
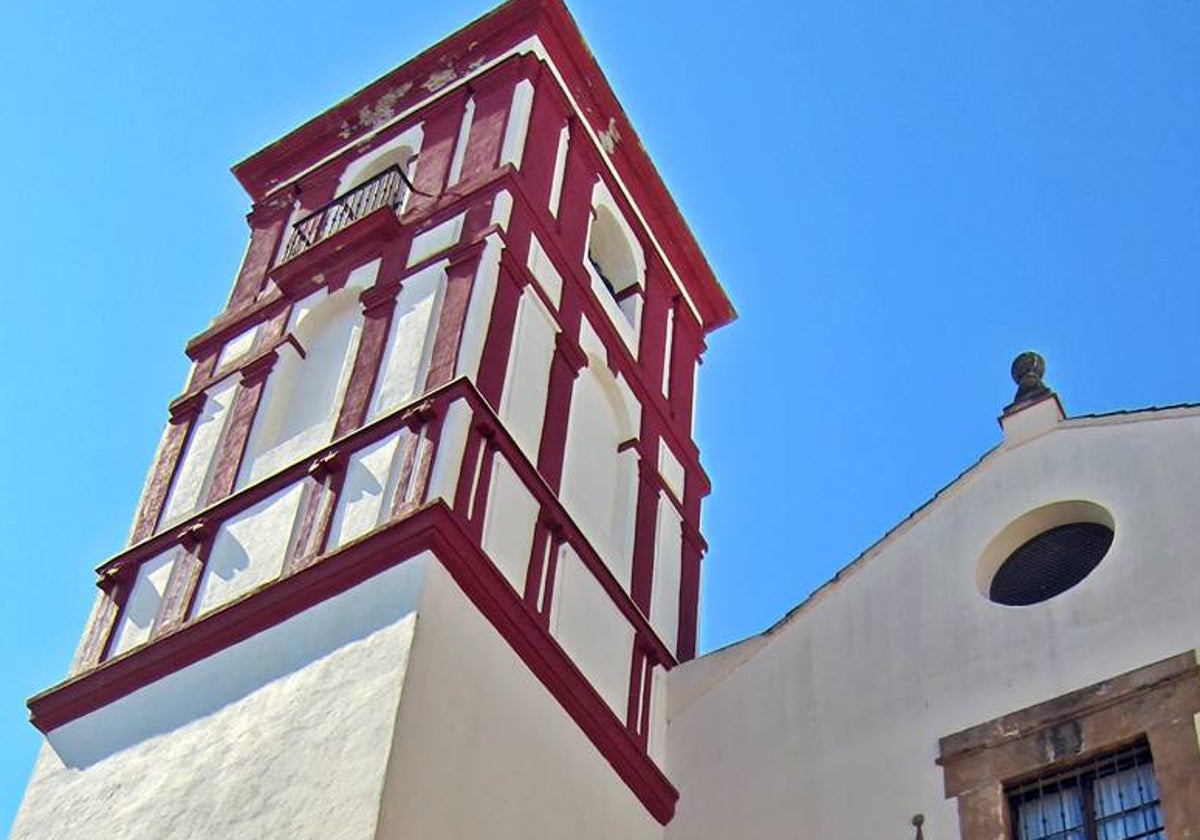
column 1028, row 368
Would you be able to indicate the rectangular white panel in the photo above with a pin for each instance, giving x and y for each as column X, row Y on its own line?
column 592, row 630
column 670, row 469
column 249, row 550
column 508, row 527
column 141, row 608
column 437, row 238
column 191, row 481
column 543, row 271
column 668, row 550
column 410, row 341
column 370, row 480
column 523, row 403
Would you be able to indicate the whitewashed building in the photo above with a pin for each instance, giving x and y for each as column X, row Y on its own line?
column 420, row 551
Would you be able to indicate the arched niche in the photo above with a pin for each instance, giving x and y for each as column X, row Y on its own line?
column 303, row 393
column 599, row 480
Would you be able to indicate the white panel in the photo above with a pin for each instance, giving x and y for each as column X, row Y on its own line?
column 668, row 349
column 508, row 527
column 137, row 619
column 670, row 469
column 668, row 551
column 364, row 275
column 460, row 146
column 248, row 550
column 523, row 403
column 592, row 630
column 438, row 238
column 237, row 347
column 502, row 209
column 443, row 478
column 479, row 312
column 370, row 478
column 560, row 169
column 410, row 341
column 543, row 271
column 191, row 481
column 656, row 742
column 513, row 148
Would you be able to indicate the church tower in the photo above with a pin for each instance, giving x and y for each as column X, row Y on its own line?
column 422, row 535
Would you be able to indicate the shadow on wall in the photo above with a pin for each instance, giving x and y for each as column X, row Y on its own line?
column 232, row 674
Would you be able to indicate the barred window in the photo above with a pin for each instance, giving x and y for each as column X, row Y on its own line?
column 1112, row 797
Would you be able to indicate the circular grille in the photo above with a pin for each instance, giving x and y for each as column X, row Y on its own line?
column 1050, row 563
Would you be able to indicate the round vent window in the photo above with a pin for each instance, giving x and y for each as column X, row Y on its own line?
column 1050, row 563
column 1044, row 552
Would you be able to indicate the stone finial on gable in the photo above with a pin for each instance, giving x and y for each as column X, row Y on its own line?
column 1035, row 408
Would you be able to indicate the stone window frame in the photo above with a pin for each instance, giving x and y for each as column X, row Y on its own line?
column 1157, row 702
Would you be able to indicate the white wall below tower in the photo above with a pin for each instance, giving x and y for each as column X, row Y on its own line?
column 484, row 751
column 283, row 735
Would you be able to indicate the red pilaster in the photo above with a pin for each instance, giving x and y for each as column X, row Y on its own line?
column 569, row 359
column 237, row 430
column 183, row 415
column 645, row 525
column 266, row 222
column 460, row 279
column 496, row 351
column 190, row 556
column 378, row 304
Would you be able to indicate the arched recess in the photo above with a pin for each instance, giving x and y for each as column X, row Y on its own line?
column 304, row 392
column 599, row 479
column 616, row 263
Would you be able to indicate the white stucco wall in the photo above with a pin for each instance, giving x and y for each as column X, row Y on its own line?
column 284, row 735
column 483, row 750
column 831, row 728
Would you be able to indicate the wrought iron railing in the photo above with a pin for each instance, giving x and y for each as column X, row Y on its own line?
column 384, row 190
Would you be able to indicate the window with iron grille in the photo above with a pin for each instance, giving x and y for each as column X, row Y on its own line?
column 1112, row 797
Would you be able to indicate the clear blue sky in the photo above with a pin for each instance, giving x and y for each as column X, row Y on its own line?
column 898, row 196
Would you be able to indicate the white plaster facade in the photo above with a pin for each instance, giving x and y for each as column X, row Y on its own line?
column 828, row 724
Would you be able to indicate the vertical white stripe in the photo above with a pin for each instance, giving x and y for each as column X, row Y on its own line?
column 560, row 168
column 460, row 145
column 513, row 149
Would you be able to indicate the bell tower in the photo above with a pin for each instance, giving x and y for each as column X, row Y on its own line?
column 422, row 534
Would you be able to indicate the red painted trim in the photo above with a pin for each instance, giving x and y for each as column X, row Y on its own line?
column 379, row 303
column 645, row 526
column 239, row 620
column 493, row 367
column 460, row 280
column 232, row 446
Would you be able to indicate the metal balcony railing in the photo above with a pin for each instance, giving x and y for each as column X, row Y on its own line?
column 384, row 190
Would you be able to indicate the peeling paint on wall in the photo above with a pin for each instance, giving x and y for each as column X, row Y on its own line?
column 610, row 137
column 384, row 109
column 439, row 79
